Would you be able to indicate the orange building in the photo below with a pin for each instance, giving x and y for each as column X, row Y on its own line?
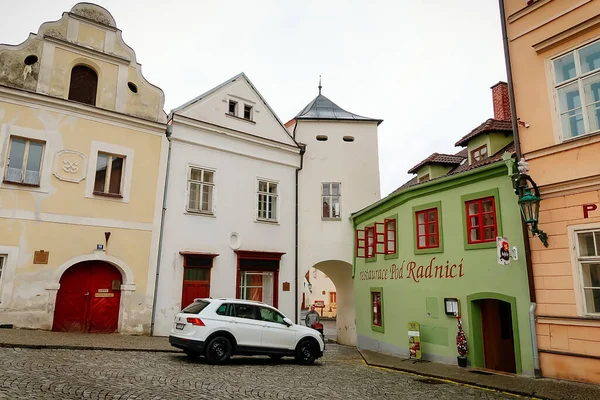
column 553, row 50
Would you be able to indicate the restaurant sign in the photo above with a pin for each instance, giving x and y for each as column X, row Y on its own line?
column 411, row 270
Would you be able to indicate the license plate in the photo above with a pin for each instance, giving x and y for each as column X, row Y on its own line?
column 179, row 326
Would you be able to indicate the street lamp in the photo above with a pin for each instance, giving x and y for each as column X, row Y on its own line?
column 310, row 287
column 529, row 200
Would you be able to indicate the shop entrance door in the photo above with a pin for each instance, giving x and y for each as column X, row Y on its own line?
column 498, row 340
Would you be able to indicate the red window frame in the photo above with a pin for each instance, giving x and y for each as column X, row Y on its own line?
column 370, row 247
column 376, row 311
column 480, row 219
column 426, row 224
column 390, row 231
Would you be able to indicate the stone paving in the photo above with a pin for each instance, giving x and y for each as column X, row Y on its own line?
column 88, row 374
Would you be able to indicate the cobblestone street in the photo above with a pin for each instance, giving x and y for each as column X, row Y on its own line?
column 77, row 374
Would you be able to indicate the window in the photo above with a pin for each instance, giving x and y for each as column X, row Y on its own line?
column 257, row 286
column 245, row 311
column 222, row 310
column 201, row 187
column 195, row 307
column 24, row 161
column 84, row 84
column 109, row 174
column 481, row 220
column 428, row 234
column 1, row 267
column 267, row 200
column 588, row 257
column 377, row 309
column 479, row 153
column 370, row 245
column 270, row 315
column 390, row 236
column 232, row 107
column 424, row 178
column 247, row 112
column 332, row 297
column 330, row 197
column 577, row 86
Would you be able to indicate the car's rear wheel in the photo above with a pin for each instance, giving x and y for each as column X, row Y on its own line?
column 306, row 352
column 218, row 350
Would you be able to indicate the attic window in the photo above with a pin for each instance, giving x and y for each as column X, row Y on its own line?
column 84, row 84
column 479, row 153
column 247, row 112
column 232, row 107
column 321, row 138
column 348, row 138
column 132, row 86
column 31, row 59
column 424, row 178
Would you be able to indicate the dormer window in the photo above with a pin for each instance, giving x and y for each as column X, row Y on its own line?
column 248, row 112
column 84, row 84
column 232, row 107
column 424, row 178
column 479, row 153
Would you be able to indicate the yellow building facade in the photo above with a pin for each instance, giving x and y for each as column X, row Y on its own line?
column 82, row 168
column 554, row 48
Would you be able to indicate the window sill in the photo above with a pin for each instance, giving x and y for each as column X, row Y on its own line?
column 110, row 195
column 29, row 185
column 583, row 136
column 267, row 221
column 391, row 256
column 481, row 245
column 240, row 118
column 200, row 213
column 331, row 219
column 430, row 250
column 377, row 328
column 371, row 259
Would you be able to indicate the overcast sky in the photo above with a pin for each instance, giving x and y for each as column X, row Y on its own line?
column 425, row 67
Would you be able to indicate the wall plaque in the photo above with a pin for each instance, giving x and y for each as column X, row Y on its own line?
column 70, row 166
column 104, row 295
column 40, row 257
column 286, row 286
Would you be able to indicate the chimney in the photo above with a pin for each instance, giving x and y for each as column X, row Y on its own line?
column 501, row 102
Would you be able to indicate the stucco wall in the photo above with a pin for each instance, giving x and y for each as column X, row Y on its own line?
column 410, row 295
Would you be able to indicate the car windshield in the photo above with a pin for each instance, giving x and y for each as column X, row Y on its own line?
column 195, row 307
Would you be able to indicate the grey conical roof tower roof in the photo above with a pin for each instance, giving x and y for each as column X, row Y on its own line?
column 321, row 108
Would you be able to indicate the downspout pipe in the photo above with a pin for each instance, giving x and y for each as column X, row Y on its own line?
column 168, row 133
column 515, row 129
column 302, row 151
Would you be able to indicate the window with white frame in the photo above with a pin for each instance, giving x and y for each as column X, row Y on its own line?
column 588, row 258
column 577, row 85
column 109, row 174
column 330, row 196
column 201, row 185
column 24, row 161
column 267, row 200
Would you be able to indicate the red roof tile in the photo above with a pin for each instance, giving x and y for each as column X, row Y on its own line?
column 438, row 158
column 488, row 126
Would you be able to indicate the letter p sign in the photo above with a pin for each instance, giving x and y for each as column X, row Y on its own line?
column 587, row 208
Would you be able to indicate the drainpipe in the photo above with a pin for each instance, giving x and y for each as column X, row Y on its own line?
column 302, row 151
column 515, row 129
column 168, row 133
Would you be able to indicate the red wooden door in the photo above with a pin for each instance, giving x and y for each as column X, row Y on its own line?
column 196, row 283
column 498, row 344
column 86, row 301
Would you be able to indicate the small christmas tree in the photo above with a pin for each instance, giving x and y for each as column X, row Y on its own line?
column 461, row 340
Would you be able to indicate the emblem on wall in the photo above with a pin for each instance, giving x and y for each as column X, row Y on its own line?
column 70, row 166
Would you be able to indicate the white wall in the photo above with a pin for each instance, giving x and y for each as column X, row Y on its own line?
column 237, row 167
column 320, row 283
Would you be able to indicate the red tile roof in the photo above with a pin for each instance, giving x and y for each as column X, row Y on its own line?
column 491, row 125
column 438, row 158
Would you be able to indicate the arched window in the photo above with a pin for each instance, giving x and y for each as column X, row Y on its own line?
column 84, row 83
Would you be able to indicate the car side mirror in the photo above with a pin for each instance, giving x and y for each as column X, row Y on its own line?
column 288, row 321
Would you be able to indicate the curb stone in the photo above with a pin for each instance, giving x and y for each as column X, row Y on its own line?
column 72, row 347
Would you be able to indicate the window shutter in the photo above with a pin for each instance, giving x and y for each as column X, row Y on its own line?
column 379, row 238
column 393, row 232
column 360, row 243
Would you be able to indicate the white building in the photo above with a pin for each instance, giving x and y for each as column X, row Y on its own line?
column 340, row 175
column 319, row 289
column 229, row 228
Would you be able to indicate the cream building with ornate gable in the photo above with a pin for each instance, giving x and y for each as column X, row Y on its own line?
column 82, row 167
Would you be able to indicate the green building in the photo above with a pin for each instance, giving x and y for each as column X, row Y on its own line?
column 429, row 251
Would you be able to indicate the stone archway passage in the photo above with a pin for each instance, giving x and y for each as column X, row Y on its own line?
column 88, row 299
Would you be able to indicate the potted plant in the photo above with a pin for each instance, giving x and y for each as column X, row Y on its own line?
column 461, row 344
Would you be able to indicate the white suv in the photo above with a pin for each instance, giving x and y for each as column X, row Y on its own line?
column 220, row 328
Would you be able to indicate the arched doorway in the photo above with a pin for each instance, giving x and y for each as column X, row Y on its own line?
column 88, row 298
column 340, row 273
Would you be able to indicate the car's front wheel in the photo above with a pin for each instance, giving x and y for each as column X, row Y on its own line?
column 306, row 351
column 218, row 350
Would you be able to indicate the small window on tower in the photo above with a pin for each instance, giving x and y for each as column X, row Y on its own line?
column 247, row 112
column 232, row 107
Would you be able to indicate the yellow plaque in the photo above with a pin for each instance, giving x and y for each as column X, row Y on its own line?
column 105, row 295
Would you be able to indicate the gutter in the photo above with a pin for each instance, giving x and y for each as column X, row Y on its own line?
column 302, row 151
column 515, row 129
column 168, row 133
